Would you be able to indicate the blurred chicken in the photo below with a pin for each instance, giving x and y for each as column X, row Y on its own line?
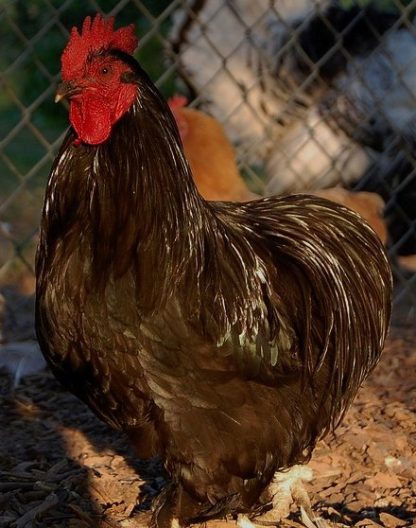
column 368, row 205
column 267, row 87
column 317, row 115
column 210, row 154
column 214, row 167
column 378, row 110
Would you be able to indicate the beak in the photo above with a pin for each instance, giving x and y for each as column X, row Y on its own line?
column 66, row 90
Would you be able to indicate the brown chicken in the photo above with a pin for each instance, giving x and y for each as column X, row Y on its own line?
column 226, row 338
column 214, row 167
column 368, row 205
column 210, row 154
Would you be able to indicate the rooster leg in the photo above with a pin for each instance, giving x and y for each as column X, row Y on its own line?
column 244, row 522
column 286, row 488
column 164, row 509
column 173, row 508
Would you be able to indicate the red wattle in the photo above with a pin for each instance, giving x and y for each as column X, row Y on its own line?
column 90, row 116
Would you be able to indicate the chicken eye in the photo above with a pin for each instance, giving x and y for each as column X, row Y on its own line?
column 105, row 70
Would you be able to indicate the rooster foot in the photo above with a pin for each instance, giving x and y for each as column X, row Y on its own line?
column 244, row 522
column 286, row 488
column 164, row 508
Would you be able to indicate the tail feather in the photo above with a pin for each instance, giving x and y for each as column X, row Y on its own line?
column 349, row 280
column 335, row 284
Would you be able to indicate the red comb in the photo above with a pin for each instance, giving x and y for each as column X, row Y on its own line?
column 177, row 101
column 96, row 35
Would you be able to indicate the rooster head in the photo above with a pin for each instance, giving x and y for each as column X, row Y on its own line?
column 96, row 79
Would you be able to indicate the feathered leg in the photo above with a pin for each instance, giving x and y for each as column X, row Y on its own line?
column 286, row 488
column 164, row 509
column 172, row 508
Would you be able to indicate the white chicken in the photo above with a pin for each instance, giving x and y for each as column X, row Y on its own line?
column 313, row 113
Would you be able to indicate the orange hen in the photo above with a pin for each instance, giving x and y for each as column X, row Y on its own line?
column 210, row 154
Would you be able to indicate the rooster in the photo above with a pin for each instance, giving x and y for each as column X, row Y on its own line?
column 226, row 338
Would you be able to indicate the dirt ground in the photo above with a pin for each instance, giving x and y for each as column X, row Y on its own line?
column 61, row 467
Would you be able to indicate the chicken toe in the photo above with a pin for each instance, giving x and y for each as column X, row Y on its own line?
column 244, row 522
column 286, row 488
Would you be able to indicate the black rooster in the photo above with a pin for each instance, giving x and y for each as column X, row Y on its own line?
column 226, row 338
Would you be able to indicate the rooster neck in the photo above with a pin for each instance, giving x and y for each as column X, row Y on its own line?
column 132, row 200
column 142, row 174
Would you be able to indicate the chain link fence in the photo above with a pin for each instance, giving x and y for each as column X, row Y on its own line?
column 313, row 93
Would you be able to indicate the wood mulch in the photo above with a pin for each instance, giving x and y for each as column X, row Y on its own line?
column 61, row 467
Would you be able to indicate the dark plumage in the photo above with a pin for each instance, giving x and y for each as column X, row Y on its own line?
column 226, row 338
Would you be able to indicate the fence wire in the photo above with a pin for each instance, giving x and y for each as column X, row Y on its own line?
column 313, row 94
